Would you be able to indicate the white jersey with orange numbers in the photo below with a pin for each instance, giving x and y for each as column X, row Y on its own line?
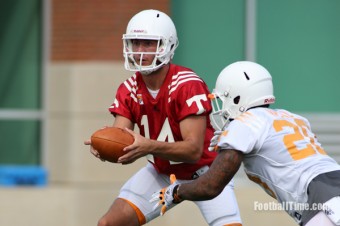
column 282, row 154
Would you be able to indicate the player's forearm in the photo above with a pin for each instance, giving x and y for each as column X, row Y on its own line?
column 122, row 122
column 181, row 151
column 212, row 183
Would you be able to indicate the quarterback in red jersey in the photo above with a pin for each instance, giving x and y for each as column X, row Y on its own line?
column 170, row 106
column 183, row 94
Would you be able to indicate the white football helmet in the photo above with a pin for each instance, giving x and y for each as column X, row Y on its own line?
column 240, row 86
column 150, row 25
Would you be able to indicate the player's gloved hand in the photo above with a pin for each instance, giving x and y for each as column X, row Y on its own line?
column 214, row 140
column 166, row 196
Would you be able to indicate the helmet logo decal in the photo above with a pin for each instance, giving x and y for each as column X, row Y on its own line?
column 138, row 31
column 140, row 99
column 269, row 100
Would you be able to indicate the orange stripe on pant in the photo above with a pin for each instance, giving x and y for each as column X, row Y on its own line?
column 140, row 215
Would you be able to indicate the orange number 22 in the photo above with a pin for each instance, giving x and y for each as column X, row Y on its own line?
column 300, row 133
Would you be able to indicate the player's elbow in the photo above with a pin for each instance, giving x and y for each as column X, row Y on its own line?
column 196, row 154
column 212, row 191
column 192, row 151
column 211, row 187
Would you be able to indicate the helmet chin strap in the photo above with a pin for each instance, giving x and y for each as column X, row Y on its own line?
column 227, row 120
column 147, row 72
column 225, row 125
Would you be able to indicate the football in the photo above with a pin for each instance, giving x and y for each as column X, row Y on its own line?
column 110, row 142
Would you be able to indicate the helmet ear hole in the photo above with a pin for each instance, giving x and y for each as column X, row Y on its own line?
column 237, row 99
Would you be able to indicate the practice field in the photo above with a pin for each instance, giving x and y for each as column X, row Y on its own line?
column 82, row 204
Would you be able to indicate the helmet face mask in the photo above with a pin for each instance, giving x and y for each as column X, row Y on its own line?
column 150, row 25
column 219, row 116
column 135, row 59
column 240, row 86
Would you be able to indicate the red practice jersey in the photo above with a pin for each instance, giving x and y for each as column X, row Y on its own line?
column 182, row 94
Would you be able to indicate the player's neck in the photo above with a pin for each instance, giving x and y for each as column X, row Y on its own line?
column 155, row 80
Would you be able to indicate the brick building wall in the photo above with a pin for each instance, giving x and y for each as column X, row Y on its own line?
column 89, row 30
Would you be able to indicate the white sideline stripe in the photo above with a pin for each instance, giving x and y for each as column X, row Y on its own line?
column 130, row 84
column 127, row 85
column 132, row 81
column 182, row 73
column 174, row 81
column 20, row 114
column 132, row 90
column 133, row 96
column 182, row 81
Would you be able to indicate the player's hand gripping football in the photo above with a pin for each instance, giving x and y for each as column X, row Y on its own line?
column 92, row 150
column 214, row 140
column 166, row 196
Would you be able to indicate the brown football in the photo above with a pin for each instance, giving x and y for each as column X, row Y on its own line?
column 110, row 142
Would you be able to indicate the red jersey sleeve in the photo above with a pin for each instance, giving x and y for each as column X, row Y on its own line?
column 121, row 104
column 191, row 97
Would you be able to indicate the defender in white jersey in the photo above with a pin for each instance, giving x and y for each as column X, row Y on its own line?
column 278, row 149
